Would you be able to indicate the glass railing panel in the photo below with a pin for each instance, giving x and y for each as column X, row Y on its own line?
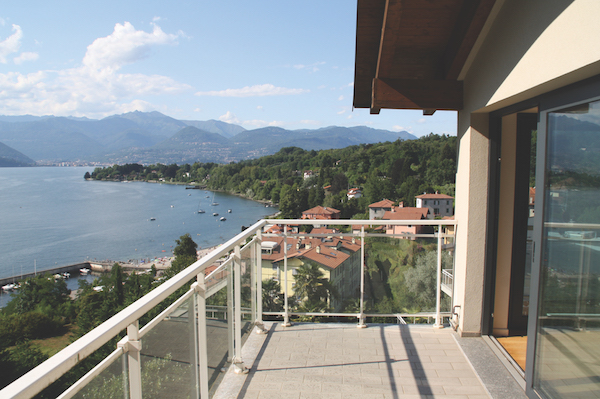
column 168, row 355
column 247, row 266
column 248, row 262
column 111, row 383
column 401, row 272
column 218, row 327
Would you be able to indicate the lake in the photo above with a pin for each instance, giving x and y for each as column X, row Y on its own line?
column 52, row 216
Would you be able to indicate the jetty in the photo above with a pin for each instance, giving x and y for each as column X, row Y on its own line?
column 72, row 269
column 93, row 266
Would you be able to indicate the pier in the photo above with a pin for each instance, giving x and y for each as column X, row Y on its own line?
column 94, row 266
column 72, row 269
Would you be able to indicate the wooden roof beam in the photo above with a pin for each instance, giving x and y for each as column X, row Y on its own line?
column 472, row 18
column 416, row 94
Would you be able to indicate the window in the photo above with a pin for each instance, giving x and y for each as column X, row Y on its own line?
column 568, row 326
column 436, row 211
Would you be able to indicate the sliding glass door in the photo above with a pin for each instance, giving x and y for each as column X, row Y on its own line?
column 566, row 350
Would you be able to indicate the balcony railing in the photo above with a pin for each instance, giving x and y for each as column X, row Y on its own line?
column 200, row 320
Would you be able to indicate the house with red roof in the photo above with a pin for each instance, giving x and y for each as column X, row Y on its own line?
column 337, row 257
column 378, row 209
column 439, row 205
column 321, row 213
column 406, row 213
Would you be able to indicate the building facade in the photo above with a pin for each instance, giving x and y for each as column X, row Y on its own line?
column 524, row 80
column 440, row 205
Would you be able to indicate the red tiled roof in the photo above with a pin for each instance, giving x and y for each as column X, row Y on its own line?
column 329, row 256
column 319, row 210
column 386, row 203
column 434, row 196
column 406, row 213
column 323, row 230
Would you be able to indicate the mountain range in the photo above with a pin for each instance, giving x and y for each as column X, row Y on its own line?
column 152, row 137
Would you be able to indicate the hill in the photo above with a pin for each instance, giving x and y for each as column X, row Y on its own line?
column 11, row 157
column 151, row 137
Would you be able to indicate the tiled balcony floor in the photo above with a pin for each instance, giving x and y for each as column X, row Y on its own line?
column 322, row 360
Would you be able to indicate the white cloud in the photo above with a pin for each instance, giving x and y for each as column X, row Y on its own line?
column 253, row 91
column 125, row 46
column 399, row 128
column 2, row 21
column 312, row 67
column 156, row 19
column 229, row 117
column 26, row 56
column 11, row 44
column 340, row 98
column 95, row 89
column 257, row 123
column 260, row 107
column 341, row 112
column 422, row 120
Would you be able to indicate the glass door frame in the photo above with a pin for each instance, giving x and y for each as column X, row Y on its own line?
column 579, row 93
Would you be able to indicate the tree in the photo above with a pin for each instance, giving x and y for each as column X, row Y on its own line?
column 339, row 183
column 421, row 280
column 185, row 246
column 311, row 285
column 272, row 297
column 116, row 273
column 41, row 291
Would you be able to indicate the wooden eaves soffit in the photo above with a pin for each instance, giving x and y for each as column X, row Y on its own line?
column 409, row 53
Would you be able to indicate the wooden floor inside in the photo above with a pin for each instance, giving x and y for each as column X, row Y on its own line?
column 516, row 348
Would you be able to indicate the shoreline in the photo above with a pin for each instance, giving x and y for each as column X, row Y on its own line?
column 203, row 187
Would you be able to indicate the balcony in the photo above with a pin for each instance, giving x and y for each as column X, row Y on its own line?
column 201, row 335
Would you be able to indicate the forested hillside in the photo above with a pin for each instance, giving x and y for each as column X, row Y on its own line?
column 398, row 171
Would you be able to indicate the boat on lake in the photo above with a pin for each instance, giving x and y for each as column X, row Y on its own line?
column 8, row 287
column 222, row 219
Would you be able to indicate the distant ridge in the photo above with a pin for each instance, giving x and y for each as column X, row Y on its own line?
column 219, row 127
column 152, row 137
column 10, row 157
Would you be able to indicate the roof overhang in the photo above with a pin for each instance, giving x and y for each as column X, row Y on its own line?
column 409, row 53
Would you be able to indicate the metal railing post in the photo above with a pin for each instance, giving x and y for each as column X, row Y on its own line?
column 230, row 329
column 286, row 316
column 133, row 359
column 258, row 321
column 200, row 288
column 438, row 289
column 193, row 312
column 238, row 363
column 361, row 317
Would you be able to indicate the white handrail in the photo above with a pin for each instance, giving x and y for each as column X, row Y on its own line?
column 49, row 371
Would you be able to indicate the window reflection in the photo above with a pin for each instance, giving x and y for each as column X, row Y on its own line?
column 567, row 353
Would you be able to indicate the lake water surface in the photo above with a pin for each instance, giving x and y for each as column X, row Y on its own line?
column 51, row 216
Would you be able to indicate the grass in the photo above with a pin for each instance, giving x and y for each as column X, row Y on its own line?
column 51, row 346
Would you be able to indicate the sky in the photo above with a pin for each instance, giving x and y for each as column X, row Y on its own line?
column 255, row 64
